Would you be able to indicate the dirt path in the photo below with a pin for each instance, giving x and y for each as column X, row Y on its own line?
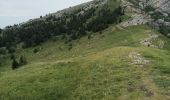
column 147, row 86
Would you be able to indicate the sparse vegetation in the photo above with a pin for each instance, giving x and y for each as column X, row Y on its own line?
column 3, row 51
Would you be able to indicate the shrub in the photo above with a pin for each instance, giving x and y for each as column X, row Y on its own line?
column 22, row 61
column 89, row 36
column 11, row 49
column 100, row 32
column 12, row 56
column 15, row 64
column 36, row 50
column 3, row 51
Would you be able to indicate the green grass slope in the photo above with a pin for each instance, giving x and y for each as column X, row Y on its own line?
column 113, row 65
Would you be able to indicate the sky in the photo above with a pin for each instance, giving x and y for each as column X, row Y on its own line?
column 17, row 11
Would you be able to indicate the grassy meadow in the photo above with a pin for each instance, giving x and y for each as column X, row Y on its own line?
column 95, row 68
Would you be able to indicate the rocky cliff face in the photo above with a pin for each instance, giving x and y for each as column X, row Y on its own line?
column 163, row 5
column 159, row 12
column 161, row 15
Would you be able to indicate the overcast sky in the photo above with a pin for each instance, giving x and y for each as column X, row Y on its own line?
column 17, row 11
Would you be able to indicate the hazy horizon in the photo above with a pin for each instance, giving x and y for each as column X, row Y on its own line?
column 18, row 11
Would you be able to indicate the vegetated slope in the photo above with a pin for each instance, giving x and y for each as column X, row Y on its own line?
column 111, row 65
column 67, row 24
column 116, row 63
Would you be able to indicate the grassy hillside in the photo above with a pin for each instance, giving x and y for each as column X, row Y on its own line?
column 85, row 56
column 110, row 65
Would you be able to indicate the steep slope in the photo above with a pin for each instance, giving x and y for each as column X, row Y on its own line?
column 154, row 12
column 163, row 5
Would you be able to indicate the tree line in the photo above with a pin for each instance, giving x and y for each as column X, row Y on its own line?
column 70, row 26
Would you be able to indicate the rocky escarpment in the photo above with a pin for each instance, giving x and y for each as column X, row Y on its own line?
column 159, row 12
column 162, row 5
column 161, row 15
